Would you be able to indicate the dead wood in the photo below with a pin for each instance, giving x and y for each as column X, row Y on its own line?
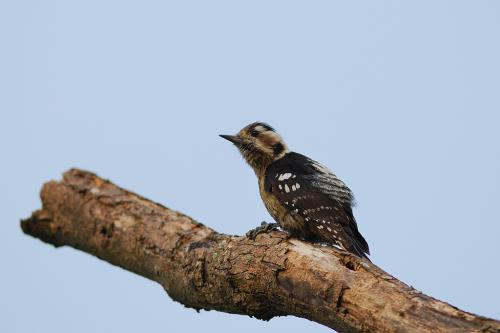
column 202, row 269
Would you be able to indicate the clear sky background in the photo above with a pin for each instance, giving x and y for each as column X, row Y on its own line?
column 400, row 99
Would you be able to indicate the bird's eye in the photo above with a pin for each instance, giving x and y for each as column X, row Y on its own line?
column 254, row 133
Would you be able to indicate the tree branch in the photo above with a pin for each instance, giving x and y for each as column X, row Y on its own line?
column 202, row 269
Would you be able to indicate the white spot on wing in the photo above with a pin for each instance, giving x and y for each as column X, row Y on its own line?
column 338, row 246
column 293, row 188
column 287, row 189
column 284, row 176
column 297, row 185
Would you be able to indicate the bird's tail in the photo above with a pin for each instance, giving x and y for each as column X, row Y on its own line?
column 359, row 251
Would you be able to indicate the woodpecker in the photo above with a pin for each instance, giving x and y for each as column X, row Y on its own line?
column 304, row 197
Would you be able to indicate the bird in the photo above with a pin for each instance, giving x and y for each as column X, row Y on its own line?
column 304, row 197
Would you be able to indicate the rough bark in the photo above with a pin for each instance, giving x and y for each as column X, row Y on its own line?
column 202, row 269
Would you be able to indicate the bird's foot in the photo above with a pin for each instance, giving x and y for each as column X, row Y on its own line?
column 264, row 227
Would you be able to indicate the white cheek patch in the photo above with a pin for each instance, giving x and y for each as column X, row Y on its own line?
column 273, row 136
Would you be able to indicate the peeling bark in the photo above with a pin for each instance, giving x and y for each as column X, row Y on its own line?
column 202, row 269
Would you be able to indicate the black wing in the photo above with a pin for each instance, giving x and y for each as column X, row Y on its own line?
column 315, row 194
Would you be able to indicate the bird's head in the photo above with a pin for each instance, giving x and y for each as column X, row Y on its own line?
column 259, row 144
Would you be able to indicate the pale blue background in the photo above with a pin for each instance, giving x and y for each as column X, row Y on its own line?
column 400, row 99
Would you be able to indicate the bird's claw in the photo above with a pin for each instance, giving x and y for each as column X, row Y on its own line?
column 264, row 227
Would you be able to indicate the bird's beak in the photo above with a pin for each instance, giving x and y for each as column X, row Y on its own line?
column 232, row 138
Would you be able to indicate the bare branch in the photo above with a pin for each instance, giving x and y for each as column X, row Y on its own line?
column 202, row 269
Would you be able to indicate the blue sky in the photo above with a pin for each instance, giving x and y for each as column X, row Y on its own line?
column 400, row 99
